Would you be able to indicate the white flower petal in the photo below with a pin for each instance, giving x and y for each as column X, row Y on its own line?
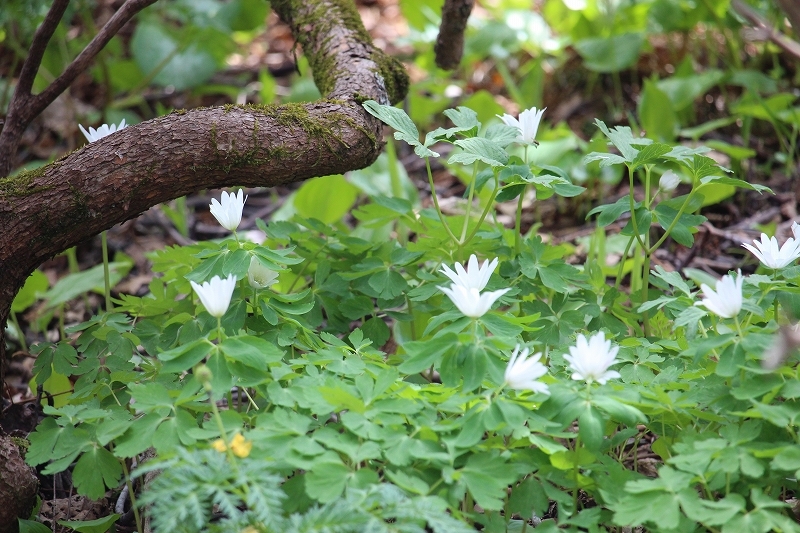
column 228, row 212
column 669, row 181
column 523, row 372
column 771, row 255
column 470, row 301
column 474, row 276
column 103, row 131
column 726, row 300
column 590, row 358
column 528, row 124
column 259, row 276
column 215, row 295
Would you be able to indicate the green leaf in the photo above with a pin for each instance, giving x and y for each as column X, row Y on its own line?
column 487, row 477
column 182, row 65
column 650, row 154
column 636, row 509
column 656, row 114
column 96, row 470
column 591, row 428
column 327, row 199
column 73, row 285
column 479, row 149
column 609, row 213
column 400, row 121
column 610, row 54
column 252, row 351
column 31, row 526
column 35, row 284
column 326, row 481
column 423, row 354
column 388, row 283
column 185, row 357
column 684, row 228
column 100, row 525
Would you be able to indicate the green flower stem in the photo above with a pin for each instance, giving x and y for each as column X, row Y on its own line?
column 436, row 202
column 249, row 398
column 219, row 329
column 132, row 495
column 106, row 273
column 489, row 205
column 622, row 262
column 775, row 303
column 300, row 274
column 669, row 229
column 738, row 326
column 470, row 197
column 633, row 210
column 646, row 266
column 221, row 427
column 518, row 223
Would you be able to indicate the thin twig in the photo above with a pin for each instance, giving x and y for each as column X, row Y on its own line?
column 786, row 44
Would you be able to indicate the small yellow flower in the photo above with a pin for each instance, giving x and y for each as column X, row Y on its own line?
column 239, row 446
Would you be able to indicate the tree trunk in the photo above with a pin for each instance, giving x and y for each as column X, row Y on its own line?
column 116, row 178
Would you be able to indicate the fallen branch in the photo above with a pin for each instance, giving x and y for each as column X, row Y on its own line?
column 114, row 179
column 786, row 44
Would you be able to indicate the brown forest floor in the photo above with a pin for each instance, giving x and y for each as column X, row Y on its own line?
column 568, row 96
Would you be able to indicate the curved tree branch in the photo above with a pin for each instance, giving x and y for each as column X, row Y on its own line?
column 114, row 179
column 24, row 106
column 449, row 45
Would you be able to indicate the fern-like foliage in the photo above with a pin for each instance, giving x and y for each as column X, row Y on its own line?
column 201, row 492
column 183, row 497
column 383, row 508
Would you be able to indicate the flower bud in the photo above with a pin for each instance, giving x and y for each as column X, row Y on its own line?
column 259, row 276
column 203, row 374
column 669, row 181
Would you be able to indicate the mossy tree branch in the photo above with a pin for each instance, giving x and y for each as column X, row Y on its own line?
column 114, row 179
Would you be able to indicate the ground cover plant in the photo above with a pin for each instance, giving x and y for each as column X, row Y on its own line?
column 374, row 358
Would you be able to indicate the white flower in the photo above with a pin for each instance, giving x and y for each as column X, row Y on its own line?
column 259, row 276
column 796, row 231
column 473, row 277
column 523, row 372
column 528, row 124
column 470, row 301
column 589, row 359
column 103, row 131
column 229, row 212
column 669, row 181
column 767, row 251
column 726, row 301
column 216, row 294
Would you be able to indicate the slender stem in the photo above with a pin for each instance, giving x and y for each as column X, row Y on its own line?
column 647, row 254
column 518, row 223
column 436, row 203
column 223, row 434
column 132, row 495
column 106, row 273
column 738, row 326
column 634, row 223
column 489, row 205
column 622, row 263
column 219, row 329
column 672, row 224
column 470, row 196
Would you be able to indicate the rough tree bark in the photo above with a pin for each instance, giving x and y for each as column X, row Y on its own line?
column 449, row 45
column 114, row 179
